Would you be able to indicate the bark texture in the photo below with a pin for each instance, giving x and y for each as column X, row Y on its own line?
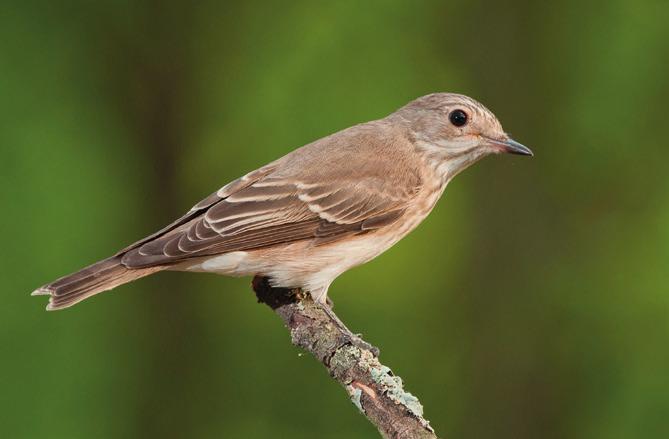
column 371, row 386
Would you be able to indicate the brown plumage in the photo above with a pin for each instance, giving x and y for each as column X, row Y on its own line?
column 307, row 217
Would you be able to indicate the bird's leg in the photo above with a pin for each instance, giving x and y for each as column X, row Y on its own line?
column 320, row 296
column 276, row 297
column 354, row 339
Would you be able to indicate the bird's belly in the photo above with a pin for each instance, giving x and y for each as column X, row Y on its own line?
column 292, row 264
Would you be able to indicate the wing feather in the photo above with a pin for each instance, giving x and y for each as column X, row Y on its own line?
column 261, row 215
column 205, row 204
column 356, row 181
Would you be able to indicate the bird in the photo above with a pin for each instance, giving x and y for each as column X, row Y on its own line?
column 320, row 210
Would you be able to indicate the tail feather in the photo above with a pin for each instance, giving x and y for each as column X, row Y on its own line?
column 94, row 279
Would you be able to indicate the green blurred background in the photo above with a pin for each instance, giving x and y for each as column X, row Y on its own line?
column 533, row 302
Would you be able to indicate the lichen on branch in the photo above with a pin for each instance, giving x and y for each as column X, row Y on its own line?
column 372, row 386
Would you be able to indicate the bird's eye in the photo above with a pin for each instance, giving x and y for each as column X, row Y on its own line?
column 458, row 118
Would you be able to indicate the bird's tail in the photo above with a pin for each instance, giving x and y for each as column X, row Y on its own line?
column 94, row 279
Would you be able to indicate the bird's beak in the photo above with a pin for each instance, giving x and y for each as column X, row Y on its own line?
column 510, row 146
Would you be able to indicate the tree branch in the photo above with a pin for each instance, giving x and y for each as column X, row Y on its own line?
column 372, row 387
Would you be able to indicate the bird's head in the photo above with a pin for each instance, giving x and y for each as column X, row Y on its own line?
column 455, row 131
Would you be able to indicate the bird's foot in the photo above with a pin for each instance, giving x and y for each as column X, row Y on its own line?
column 354, row 339
column 277, row 297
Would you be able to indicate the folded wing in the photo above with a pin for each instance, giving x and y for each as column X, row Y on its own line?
column 270, row 211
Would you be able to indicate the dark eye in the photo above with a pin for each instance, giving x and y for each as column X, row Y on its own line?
column 458, row 118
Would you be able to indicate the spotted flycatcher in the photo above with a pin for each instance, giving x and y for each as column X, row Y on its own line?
column 328, row 206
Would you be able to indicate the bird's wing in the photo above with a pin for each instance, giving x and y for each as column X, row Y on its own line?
column 203, row 205
column 261, row 210
column 354, row 181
